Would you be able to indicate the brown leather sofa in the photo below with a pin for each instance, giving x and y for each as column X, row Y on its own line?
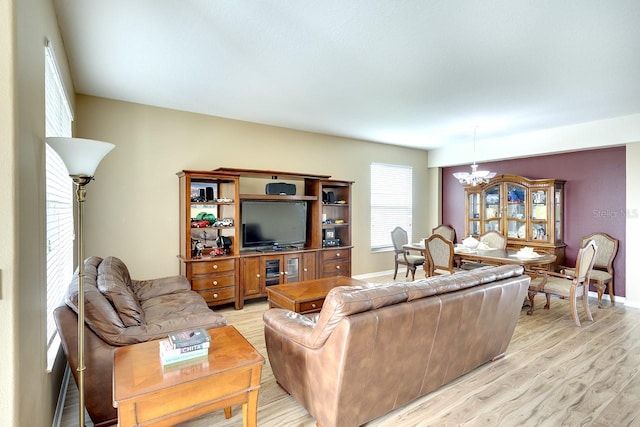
column 120, row 311
column 375, row 348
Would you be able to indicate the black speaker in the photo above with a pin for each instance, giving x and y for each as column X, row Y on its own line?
column 281, row 188
column 331, row 197
column 209, row 194
column 202, row 197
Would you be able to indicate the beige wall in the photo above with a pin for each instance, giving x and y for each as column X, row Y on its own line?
column 8, row 260
column 132, row 207
column 28, row 391
column 632, row 289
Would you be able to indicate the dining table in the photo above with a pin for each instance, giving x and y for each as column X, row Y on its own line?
column 492, row 256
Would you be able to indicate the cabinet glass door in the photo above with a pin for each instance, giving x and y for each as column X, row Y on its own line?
column 539, row 214
column 558, row 215
column 293, row 269
column 272, row 272
column 516, row 205
column 492, row 212
column 474, row 214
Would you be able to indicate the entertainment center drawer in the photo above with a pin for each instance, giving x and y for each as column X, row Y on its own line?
column 336, row 268
column 219, row 295
column 213, row 282
column 214, row 266
column 335, row 254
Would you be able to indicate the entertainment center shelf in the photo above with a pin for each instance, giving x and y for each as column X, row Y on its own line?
column 234, row 244
column 275, row 197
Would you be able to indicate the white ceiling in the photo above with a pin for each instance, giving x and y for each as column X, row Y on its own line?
column 419, row 73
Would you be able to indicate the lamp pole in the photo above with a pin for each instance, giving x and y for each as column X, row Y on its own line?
column 80, row 181
column 81, row 157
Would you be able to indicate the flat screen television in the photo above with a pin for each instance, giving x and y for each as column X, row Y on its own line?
column 273, row 223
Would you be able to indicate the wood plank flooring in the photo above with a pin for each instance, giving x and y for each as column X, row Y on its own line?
column 554, row 374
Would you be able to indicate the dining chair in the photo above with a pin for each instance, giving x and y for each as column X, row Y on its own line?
column 602, row 274
column 402, row 256
column 439, row 255
column 494, row 240
column 567, row 286
column 445, row 231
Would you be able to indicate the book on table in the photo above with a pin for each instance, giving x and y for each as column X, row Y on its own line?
column 169, row 355
column 188, row 338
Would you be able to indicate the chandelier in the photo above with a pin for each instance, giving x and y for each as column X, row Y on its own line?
column 475, row 177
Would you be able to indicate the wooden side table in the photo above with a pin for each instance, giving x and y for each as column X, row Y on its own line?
column 147, row 393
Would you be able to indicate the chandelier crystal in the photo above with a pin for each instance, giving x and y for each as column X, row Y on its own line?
column 476, row 177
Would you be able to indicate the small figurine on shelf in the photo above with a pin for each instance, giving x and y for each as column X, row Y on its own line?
column 198, row 250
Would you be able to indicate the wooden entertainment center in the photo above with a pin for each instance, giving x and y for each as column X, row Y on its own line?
column 211, row 218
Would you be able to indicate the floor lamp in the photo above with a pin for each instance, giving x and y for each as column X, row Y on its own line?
column 81, row 157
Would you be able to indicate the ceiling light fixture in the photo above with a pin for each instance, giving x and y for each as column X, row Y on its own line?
column 475, row 177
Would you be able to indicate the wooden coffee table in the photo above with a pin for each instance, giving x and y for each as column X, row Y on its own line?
column 146, row 393
column 306, row 297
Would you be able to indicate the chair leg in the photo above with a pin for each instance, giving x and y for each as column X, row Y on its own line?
column 531, row 299
column 574, row 306
column 585, row 304
column 413, row 273
column 612, row 297
column 395, row 272
column 600, row 289
column 548, row 304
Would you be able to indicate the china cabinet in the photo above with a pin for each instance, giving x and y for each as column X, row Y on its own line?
column 530, row 212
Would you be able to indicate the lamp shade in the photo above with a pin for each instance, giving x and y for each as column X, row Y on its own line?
column 80, row 156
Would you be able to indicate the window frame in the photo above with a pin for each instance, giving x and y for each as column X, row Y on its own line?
column 391, row 203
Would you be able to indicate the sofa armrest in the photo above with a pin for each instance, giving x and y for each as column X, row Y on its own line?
column 147, row 289
column 295, row 327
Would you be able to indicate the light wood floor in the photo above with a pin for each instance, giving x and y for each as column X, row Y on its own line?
column 554, row 374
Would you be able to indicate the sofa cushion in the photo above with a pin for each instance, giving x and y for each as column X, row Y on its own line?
column 98, row 311
column 114, row 282
column 346, row 300
column 450, row 283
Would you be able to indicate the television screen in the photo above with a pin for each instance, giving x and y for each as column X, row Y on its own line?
column 269, row 223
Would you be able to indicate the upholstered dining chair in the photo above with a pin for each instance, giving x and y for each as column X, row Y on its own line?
column 439, row 255
column 445, row 231
column 402, row 256
column 492, row 239
column 567, row 286
column 602, row 274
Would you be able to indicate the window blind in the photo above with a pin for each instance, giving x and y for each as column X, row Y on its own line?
column 391, row 202
column 59, row 195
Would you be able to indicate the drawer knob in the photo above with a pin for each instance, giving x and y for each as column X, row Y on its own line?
column 257, row 275
column 337, row 267
column 215, row 282
column 215, row 295
column 313, row 305
column 337, row 253
column 215, row 266
column 305, row 270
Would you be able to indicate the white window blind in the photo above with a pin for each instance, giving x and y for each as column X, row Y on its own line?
column 391, row 202
column 59, row 195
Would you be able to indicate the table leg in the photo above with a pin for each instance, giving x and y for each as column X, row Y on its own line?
column 250, row 410
column 227, row 412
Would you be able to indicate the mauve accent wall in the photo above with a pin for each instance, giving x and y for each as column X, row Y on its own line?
column 594, row 196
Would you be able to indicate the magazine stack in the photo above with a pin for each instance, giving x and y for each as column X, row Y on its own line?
column 184, row 345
